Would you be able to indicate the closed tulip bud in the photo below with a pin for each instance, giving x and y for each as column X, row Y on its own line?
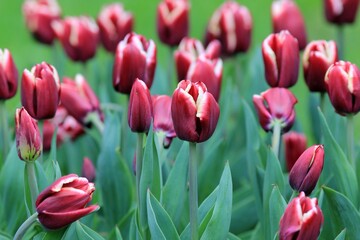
column 281, row 59
column 275, row 104
column 194, row 111
column 287, row 16
column 307, row 169
column 88, row 169
column 64, row 201
column 39, row 15
column 294, row 145
column 114, row 23
column 341, row 11
column 172, row 21
column 135, row 57
column 231, row 24
column 28, row 139
column 79, row 37
column 79, row 99
column 8, row 75
column 302, row 219
column 318, row 57
column 40, row 91
column 343, row 86
column 140, row 111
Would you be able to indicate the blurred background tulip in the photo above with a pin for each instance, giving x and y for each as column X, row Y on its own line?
column 88, row 169
column 341, row 11
column 294, row 144
column 8, row 75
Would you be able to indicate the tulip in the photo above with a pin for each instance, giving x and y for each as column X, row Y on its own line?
column 88, row 169
column 114, row 23
column 287, row 16
column 275, row 104
column 301, row 220
column 79, row 37
column 294, row 145
column 8, row 75
column 64, row 201
column 281, row 59
column 341, row 11
column 28, row 139
column 194, row 111
column 140, row 111
column 135, row 57
column 318, row 57
column 39, row 15
column 343, row 86
column 40, row 91
column 173, row 21
column 231, row 24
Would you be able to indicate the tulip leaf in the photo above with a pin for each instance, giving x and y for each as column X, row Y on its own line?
column 46, row 235
column 341, row 235
column 77, row 230
column 277, row 205
column 118, row 234
column 231, row 236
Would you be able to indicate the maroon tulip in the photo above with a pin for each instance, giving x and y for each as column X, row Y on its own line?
column 275, row 104
column 307, row 169
column 79, row 37
column 318, row 57
column 341, row 11
column 173, row 21
column 114, row 23
column 88, row 169
column 79, row 99
column 28, row 139
column 281, row 59
column 343, row 86
column 8, row 75
column 194, row 111
column 39, row 15
column 140, row 111
column 231, row 24
column 287, row 16
column 40, row 91
column 135, row 58
column 64, row 201
column 294, row 145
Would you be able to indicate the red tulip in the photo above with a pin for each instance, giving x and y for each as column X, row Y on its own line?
column 318, row 57
column 287, row 16
column 294, row 145
column 341, row 11
column 79, row 37
column 88, row 169
column 135, row 58
column 40, row 91
column 8, row 75
column 194, row 111
column 64, row 201
column 114, row 23
column 343, row 86
column 39, row 15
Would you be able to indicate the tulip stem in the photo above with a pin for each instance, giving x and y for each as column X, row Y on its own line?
column 276, row 138
column 171, row 82
column 193, row 198
column 322, row 102
column 340, row 41
column 33, row 186
column 350, row 139
column 94, row 119
column 25, row 226
column 4, row 131
column 139, row 160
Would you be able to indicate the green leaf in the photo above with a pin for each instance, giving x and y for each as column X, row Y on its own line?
column 277, row 205
column 77, row 230
column 160, row 224
column 341, row 235
column 47, row 235
column 118, row 234
column 231, row 236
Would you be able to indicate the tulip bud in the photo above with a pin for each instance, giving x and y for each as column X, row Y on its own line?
column 88, row 169
column 194, row 111
column 275, row 104
column 64, row 201
column 307, row 169
column 172, row 21
column 287, row 16
column 231, row 24
column 114, row 23
column 8, row 75
column 40, row 91
column 39, row 15
column 79, row 37
column 140, row 112
column 302, row 219
column 28, row 139
column 295, row 145
column 318, row 57
column 343, row 86
column 281, row 59
column 135, row 57
column 341, row 11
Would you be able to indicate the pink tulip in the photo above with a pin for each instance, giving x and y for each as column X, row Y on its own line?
column 8, row 75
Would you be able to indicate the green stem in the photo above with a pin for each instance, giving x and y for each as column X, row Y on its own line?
column 276, row 138
column 41, row 130
column 340, row 41
column 193, row 198
column 33, row 186
column 25, row 226
column 4, row 131
column 172, row 82
column 350, row 139
column 139, row 161
column 322, row 102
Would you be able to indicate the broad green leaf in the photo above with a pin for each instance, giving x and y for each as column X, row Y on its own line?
column 77, row 230
column 47, row 235
column 231, row 236
column 118, row 234
column 277, row 205
column 4, row 236
column 341, row 235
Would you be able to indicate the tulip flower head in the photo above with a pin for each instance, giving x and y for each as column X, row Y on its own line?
column 8, row 75
column 294, row 145
column 341, row 11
